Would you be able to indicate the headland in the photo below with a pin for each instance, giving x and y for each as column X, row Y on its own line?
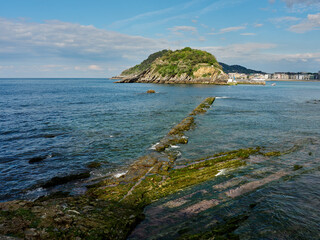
column 185, row 66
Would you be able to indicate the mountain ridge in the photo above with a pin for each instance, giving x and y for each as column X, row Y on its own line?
column 238, row 68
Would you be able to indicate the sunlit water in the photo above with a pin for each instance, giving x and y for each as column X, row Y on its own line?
column 72, row 122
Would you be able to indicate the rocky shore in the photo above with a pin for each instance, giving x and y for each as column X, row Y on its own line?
column 113, row 207
column 151, row 77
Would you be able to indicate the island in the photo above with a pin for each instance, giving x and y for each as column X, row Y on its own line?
column 185, row 66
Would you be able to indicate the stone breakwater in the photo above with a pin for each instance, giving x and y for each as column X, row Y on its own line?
column 112, row 208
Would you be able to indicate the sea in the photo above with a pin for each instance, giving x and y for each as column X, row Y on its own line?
column 69, row 123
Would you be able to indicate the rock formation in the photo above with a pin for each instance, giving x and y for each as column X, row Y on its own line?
column 188, row 66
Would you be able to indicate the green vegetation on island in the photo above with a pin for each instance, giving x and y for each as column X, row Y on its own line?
column 185, row 61
column 180, row 66
column 144, row 65
column 237, row 69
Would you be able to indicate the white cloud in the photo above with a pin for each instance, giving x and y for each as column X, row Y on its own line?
column 142, row 16
column 239, row 50
column 148, row 17
column 248, row 34
column 179, row 29
column 85, row 68
column 309, row 24
column 258, row 25
column 5, row 67
column 56, row 39
column 284, row 19
column 204, row 25
column 290, row 3
column 95, row 68
column 217, row 5
column 251, row 54
column 299, row 6
column 228, row 29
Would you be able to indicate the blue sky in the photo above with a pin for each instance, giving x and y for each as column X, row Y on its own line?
column 100, row 38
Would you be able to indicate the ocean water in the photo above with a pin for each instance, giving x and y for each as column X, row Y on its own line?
column 72, row 122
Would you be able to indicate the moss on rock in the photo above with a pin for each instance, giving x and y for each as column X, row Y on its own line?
column 204, row 106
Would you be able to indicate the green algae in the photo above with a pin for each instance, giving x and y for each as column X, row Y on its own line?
column 94, row 165
column 65, row 179
column 168, row 181
column 183, row 126
column 272, row 154
column 204, row 106
column 71, row 218
column 176, row 134
column 297, row 167
column 20, row 217
column 111, row 209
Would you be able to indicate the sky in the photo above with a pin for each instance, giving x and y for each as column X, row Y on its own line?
column 100, row 38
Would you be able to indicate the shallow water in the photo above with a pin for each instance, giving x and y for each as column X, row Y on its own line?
column 71, row 122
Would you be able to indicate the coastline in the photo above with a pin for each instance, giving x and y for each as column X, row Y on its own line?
column 290, row 80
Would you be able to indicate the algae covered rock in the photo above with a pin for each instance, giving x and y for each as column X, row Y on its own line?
column 37, row 159
column 151, row 91
column 94, row 165
column 62, row 180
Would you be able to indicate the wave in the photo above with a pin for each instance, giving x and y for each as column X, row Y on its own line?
column 174, row 146
column 153, row 147
column 221, row 172
column 117, row 175
column 222, row 97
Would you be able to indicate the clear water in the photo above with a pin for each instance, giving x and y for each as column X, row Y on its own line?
column 76, row 121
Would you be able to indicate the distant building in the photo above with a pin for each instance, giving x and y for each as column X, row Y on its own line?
column 238, row 76
column 280, row 75
column 294, row 76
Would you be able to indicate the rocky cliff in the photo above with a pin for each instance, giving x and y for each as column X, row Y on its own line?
column 181, row 66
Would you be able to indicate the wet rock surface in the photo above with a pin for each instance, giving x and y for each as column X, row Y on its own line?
column 94, row 165
column 37, row 159
column 65, row 179
column 314, row 101
column 112, row 208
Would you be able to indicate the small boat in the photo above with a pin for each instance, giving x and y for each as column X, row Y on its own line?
column 273, row 84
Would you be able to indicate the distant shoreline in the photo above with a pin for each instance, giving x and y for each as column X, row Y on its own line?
column 290, row 80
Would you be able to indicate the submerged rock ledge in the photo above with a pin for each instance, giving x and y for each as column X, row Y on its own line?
column 112, row 208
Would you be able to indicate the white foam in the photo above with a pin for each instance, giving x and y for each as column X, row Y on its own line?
column 153, row 147
column 111, row 136
column 174, row 146
column 221, row 172
column 222, row 97
column 117, row 175
column 40, row 189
